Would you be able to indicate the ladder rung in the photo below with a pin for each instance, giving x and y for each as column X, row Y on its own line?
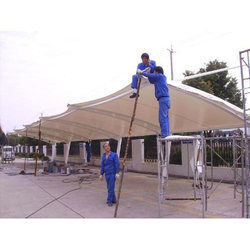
column 246, row 78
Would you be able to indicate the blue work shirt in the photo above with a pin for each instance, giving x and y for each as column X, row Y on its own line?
column 160, row 82
column 110, row 165
column 143, row 66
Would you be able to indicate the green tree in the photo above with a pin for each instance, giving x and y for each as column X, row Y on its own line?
column 23, row 140
column 3, row 139
column 13, row 140
column 220, row 84
column 198, row 83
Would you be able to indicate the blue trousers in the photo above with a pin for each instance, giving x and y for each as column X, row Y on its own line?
column 110, row 179
column 134, row 81
column 88, row 157
column 164, row 106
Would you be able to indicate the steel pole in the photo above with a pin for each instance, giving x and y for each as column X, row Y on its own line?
column 159, row 176
column 38, row 150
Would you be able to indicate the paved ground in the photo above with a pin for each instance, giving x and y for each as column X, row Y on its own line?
column 54, row 196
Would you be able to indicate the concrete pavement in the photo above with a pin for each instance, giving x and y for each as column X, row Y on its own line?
column 27, row 196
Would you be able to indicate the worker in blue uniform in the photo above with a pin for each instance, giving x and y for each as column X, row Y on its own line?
column 162, row 95
column 88, row 150
column 146, row 64
column 110, row 166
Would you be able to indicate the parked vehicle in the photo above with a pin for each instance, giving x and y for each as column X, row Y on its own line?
column 8, row 154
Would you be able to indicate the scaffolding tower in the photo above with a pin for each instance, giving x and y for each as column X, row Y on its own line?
column 202, row 161
column 245, row 88
column 199, row 179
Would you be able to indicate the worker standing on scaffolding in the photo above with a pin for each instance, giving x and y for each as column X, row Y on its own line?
column 162, row 95
column 110, row 165
column 147, row 65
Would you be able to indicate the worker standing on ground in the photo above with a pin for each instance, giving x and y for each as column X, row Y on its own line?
column 146, row 64
column 162, row 95
column 110, row 165
column 88, row 150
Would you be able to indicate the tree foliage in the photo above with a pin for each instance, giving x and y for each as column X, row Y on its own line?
column 23, row 140
column 220, row 84
column 3, row 139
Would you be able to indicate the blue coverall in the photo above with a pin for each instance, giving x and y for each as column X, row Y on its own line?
column 88, row 149
column 162, row 96
column 142, row 66
column 110, row 167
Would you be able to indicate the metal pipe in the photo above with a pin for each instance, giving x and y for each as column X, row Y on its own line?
column 188, row 159
column 195, row 169
column 183, row 199
column 247, row 150
column 25, row 159
column 219, row 156
column 224, row 138
column 208, row 73
column 203, row 178
column 212, row 166
column 234, row 168
column 171, row 62
column 167, row 163
column 38, row 150
column 163, row 166
column 205, row 169
column 159, row 177
column 242, row 184
column 245, row 173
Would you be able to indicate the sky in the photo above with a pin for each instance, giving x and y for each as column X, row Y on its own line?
column 54, row 53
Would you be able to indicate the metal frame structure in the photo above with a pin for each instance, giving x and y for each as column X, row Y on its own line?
column 239, row 144
column 163, row 155
column 237, row 166
column 245, row 88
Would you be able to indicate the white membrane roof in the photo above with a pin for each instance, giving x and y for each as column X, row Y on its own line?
column 109, row 117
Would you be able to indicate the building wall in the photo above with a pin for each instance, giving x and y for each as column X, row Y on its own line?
column 151, row 167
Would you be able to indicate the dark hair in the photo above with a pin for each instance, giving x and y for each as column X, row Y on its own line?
column 145, row 55
column 159, row 69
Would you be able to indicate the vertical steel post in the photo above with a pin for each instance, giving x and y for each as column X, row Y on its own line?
column 205, row 168
column 212, row 162
column 195, row 168
column 38, row 150
column 118, row 149
column 203, row 177
column 242, row 181
column 159, row 175
column 171, row 62
column 246, row 172
column 188, row 160
column 25, row 159
column 166, row 164
column 234, row 167
column 246, row 147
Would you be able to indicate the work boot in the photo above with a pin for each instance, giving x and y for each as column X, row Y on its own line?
column 110, row 204
column 162, row 136
column 133, row 95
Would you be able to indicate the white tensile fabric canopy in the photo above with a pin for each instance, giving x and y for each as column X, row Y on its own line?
column 109, row 117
